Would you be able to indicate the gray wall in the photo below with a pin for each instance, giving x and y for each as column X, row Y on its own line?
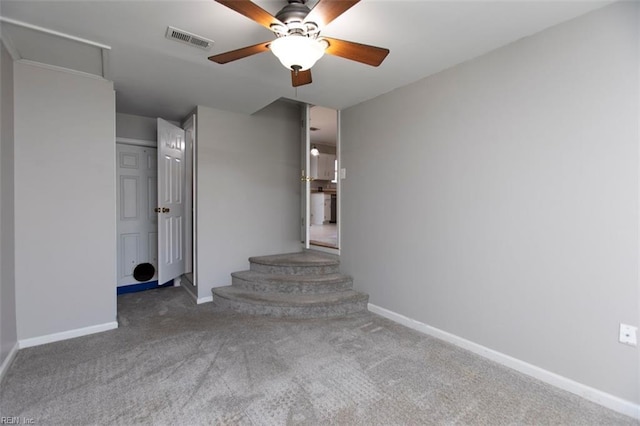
column 136, row 127
column 64, row 201
column 8, row 336
column 498, row 200
column 248, row 189
column 132, row 126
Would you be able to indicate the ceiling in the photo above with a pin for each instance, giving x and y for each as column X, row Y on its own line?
column 155, row 76
column 325, row 122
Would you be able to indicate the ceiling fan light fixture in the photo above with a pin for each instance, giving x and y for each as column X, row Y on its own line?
column 314, row 151
column 297, row 52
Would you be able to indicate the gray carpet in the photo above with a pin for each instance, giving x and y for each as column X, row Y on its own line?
column 172, row 362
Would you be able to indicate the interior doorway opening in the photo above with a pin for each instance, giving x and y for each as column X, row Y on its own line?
column 324, row 185
column 143, row 215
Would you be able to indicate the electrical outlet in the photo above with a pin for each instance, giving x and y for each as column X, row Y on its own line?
column 628, row 334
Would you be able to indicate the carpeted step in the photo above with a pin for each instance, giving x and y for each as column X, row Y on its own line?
column 306, row 284
column 288, row 305
column 302, row 263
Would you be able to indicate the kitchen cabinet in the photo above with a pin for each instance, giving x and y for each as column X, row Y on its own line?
column 323, row 166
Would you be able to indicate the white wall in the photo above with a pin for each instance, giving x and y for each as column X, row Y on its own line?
column 248, row 189
column 64, row 201
column 498, row 200
column 8, row 336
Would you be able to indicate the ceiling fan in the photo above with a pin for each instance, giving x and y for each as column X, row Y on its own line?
column 298, row 44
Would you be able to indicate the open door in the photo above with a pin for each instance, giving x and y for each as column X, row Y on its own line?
column 305, row 176
column 324, row 192
column 171, row 201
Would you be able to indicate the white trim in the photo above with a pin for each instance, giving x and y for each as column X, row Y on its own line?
column 194, row 199
column 63, row 69
column 305, row 167
column 8, row 361
column 324, row 249
column 638, row 217
column 198, row 300
column 13, row 52
column 64, row 335
column 137, row 142
column 189, row 125
column 612, row 402
column 206, row 299
column 339, row 178
column 105, row 63
column 53, row 32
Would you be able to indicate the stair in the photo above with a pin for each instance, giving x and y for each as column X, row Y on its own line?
column 307, row 284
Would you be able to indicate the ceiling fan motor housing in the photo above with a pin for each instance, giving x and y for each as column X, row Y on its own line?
column 295, row 11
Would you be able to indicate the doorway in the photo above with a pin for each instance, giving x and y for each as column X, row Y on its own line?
column 324, row 188
column 156, row 234
column 137, row 223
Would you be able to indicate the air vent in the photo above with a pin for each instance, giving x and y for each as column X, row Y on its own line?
column 188, row 38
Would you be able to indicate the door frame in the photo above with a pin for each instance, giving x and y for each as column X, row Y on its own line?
column 190, row 125
column 306, row 184
column 192, row 179
column 305, row 176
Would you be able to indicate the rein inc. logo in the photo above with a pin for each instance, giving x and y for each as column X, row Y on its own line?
column 17, row 420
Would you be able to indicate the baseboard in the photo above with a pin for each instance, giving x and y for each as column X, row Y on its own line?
column 607, row 400
column 8, row 361
column 202, row 300
column 56, row 337
column 198, row 300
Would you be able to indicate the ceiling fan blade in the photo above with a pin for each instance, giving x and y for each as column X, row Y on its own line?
column 233, row 55
column 370, row 55
column 328, row 10
column 251, row 11
column 300, row 78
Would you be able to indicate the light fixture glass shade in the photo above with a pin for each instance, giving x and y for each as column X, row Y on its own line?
column 314, row 151
column 297, row 51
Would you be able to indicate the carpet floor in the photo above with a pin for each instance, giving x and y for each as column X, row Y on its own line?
column 171, row 362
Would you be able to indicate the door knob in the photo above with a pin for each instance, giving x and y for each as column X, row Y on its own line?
column 157, row 210
column 165, row 210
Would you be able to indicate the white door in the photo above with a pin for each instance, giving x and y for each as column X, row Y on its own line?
column 171, row 203
column 305, row 176
column 137, row 223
